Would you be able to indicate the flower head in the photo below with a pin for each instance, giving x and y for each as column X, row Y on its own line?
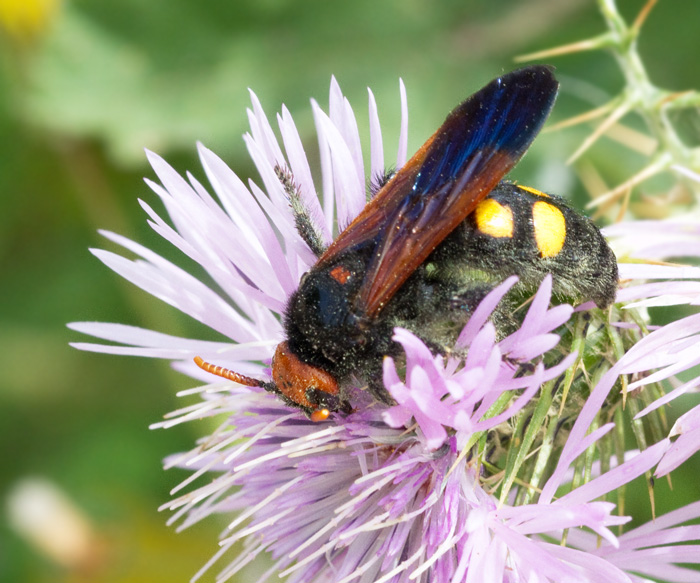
column 481, row 469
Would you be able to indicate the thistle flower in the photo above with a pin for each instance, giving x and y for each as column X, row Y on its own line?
column 494, row 466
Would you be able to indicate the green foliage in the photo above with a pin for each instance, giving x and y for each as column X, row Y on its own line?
column 661, row 143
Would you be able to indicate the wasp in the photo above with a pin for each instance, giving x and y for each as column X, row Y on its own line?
column 437, row 236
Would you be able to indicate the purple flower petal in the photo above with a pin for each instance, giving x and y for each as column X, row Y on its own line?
column 377, row 166
column 401, row 155
column 484, row 311
column 687, row 443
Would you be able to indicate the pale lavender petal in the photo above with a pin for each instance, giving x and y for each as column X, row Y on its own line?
column 420, row 397
column 538, row 320
column 218, row 240
column 539, row 518
column 519, row 403
column 484, row 311
column 667, row 398
column 656, row 239
column 485, row 386
column 652, row 548
column 159, row 269
column 637, row 358
column 237, row 201
column 680, row 362
column 668, row 520
column 657, row 563
column 593, row 569
column 534, row 557
column 349, row 191
column 555, row 317
column 377, row 167
column 686, row 445
column 573, row 449
column 617, row 477
column 403, row 136
column 274, row 191
column 343, row 117
column 167, row 232
column 328, row 199
column 653, row 271
column 140, row 341
column 335, row 103
column 134, row 351
column 177, row 288
column 535, row 347
column 535, row 381
column 262, row 132
column 689, row 421
column 417, row 353
column 534, row 318
column 672, row 292
column 481, row 347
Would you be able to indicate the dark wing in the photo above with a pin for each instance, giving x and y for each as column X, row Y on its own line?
column 478, row 144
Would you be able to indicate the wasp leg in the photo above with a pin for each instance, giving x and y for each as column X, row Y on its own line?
column 305, row 225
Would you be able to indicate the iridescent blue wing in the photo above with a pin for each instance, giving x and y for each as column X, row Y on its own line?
column 476, row 146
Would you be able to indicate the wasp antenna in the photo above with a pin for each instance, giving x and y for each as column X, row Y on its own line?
column 220, row 371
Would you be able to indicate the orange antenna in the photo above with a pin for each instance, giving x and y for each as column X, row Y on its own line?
column 220, row 371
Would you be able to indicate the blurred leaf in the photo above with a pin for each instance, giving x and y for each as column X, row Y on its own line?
column 164, row 74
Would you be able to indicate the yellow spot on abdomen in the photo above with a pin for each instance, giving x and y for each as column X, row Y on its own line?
column 533, row 191
column 550, row 228
column 494, row 219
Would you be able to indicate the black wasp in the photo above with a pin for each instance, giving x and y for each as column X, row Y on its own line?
column 436, row 238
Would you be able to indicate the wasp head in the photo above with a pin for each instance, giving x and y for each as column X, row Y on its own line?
column 311, row 389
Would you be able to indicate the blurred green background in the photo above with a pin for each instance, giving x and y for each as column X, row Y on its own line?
column 85, row 86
